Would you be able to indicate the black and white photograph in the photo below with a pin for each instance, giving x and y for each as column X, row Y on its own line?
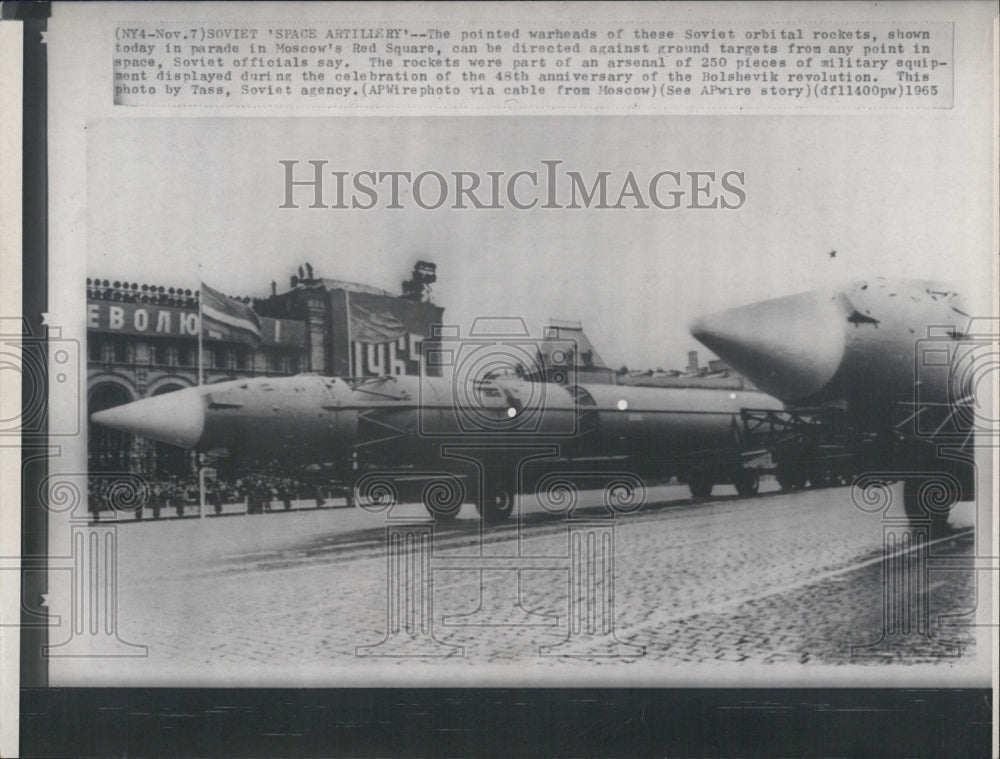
column 578, row 424
column 391, row 350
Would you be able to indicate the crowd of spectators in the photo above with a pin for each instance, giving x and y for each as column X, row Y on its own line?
column 258, row 492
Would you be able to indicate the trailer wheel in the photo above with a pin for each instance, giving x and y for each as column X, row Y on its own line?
column 443, row 498
column 497, row 507
column 819, row 476
column 747, row 481
column 700, row 483
column 498, row 504
column 790, row 477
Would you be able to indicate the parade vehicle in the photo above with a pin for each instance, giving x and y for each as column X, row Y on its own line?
column 446, row 440
column 881, row 377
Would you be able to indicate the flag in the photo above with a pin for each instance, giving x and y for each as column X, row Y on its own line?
column 374, row 327
column 226, row 319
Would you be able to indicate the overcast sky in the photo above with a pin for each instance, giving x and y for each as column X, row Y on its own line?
column 893, row 195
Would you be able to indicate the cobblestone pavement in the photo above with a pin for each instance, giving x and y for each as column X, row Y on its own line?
column 740, row 589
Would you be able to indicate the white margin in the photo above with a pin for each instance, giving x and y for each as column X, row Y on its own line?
column 995, row 307
column 11, row 150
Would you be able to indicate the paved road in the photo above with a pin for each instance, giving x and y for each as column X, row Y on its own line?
column 727, row 590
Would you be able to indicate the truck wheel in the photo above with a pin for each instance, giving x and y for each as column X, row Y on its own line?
column 498, row 504
column 928, row 499
column 443, row 498
column 700, row 483
column 819, row 477
column 791, row 476
column 747, row 481
column 784, row 478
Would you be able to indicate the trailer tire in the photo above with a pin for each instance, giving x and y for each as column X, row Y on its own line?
column 790, row 477
column 700, row 483
column 819, row 476
column 921, row 509
column 443, row 498
column 498, row 503
column 747, row 481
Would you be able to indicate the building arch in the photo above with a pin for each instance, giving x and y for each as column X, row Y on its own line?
column 111, row 378
column 171, row 381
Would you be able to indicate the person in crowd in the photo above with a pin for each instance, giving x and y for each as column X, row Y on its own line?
column 156, row 498
column 215, row 495
column 94, row 499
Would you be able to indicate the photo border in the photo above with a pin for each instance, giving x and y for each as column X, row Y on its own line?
column 429, row 721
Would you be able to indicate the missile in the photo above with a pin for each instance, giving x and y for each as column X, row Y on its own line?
column 405, row 421
column 176, row 418
column 905, row 358
column 290, row 417
column 860, row 344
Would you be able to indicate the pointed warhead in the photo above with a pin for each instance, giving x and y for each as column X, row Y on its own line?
column 177, row 418
column 789, row 347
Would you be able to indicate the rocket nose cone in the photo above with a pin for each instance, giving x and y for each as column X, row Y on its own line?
column 789, row 347
column 177, row 418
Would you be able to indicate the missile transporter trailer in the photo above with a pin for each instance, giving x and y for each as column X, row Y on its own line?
column 484, row 440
